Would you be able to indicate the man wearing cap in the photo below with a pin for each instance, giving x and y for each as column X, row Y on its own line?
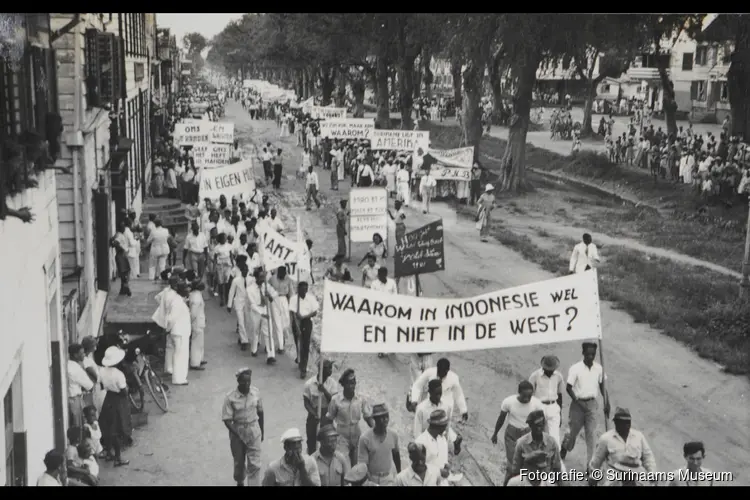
column 549, row 386
column 452, row 391
column 357, row 476
column 435, row 443
column 536, row 450
column 420, row 473
column 585, row 383
column 346, row 410
column 625, row 452
column 429, row 405
column 332, row 465
column 314, row 393
column 243, row 416
column 378, row 448
column 294, row 468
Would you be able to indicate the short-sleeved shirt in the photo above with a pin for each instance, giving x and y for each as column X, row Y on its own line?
column 333, row 470
column 312, row 393
column 370, row 273
column 47, row 480
column 280, row 474
column 112, row 379
column 377, row 453
column 547, row 388
column 584, row 380
column 242, row 408
column 388, row 287
column 408, row 477
column 517, row 411
column 78, row 380
column 346, row 414
column 436, row 448
column 526, row 445
column 283, row 287
column 307, row 306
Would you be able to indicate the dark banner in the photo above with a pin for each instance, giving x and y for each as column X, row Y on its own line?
column 420, row 251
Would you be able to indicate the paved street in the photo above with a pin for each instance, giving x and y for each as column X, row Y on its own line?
column 674, row 396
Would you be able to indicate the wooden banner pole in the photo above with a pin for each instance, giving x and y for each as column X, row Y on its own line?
column 605, row 396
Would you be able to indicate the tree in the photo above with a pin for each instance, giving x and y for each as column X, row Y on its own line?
column 666, row 29
column 194, row 44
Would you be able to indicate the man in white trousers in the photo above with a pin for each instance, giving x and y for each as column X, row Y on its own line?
column 549, row 387
column 158, row 240
column 426, row 186
column 403, row 192
column 173, row 315
column 261, row 297
column 238, row 301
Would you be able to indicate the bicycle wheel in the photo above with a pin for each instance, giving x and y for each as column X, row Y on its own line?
column 136, row 399
column 156, row 388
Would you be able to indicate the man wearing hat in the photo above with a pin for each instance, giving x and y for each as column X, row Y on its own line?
column 625, row 452
column 549, row 386
column 243, row 416
column 535, row 450
column 357, row 476
column 316, row 396
column 346, row 410
column 533, row 463
column 332, row 465
column 294, row 468
column 378, row 449
column 429, row 405
column 435, row 443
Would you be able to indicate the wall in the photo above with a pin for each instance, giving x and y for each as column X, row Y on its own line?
column 25, row 335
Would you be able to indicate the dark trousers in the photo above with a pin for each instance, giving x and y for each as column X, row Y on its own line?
column 303, row 344
column 125, row 283
column 277, row 176
column 475, row 187
column 267, row 171
column 311, row 429
column 173, row 193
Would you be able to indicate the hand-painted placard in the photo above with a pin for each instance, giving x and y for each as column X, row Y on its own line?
column 208, row 155
column 229, row 180
column 400, row 140
column 188, row 134
column 347, row 128
column 325, row 113
column 368, row 214
column 222, row 133
column 420, row 251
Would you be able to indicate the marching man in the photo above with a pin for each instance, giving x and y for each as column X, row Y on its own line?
column 402, row 185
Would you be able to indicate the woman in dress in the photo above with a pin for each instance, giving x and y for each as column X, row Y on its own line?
column 485, row 205
column 399, row 219
column 338, row 271
column 280, row 308
column 223, row 266
column 369, row 271
column 114, row 419
column 378, row 249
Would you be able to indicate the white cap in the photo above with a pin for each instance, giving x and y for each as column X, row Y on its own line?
column 488, row 187
column 292, row 434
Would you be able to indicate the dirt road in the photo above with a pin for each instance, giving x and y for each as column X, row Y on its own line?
column 673, row 395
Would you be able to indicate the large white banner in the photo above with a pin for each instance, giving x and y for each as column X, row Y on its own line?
column 278, row 250
column 209, row 155
column 453, row 164
column 368, row 214
column 307, row 105
column 347, row 128
column 357, row 319
column 187, row 134
column 229, row 180
column 222, row 133
column 400, row 140
column 326, row 112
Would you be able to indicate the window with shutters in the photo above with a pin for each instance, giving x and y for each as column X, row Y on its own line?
column 701, row 56
column 698, row 91
column 726, row 54
column 724, row 92
column 687, row 61
column 10, row 101
column 104, row 68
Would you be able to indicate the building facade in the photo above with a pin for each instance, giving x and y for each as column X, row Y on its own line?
column 32, row 352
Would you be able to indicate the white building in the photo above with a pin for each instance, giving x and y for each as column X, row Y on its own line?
column 32, row 357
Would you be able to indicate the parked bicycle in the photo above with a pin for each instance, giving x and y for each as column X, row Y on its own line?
column 147, row 376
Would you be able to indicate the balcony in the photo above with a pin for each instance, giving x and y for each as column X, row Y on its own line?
column 644, row 73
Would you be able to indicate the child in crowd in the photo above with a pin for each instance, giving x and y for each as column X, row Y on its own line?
column 88, row 460
column 92, row 426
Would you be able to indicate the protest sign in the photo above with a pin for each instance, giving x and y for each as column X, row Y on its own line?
column 229, row 180
column 222, row 133
column 307, row 105
column 278, row 250
column 326, row 112
column 420, row 251
column 187, row 134
column 400, row 140
column 347, row 128
column 459, row 157
column 361, row 320
column 368, row 214
column 209, row 155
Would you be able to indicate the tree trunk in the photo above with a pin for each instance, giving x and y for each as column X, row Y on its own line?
column 327, row 78
column 669, row 101
column 311, row 73
column 472, row 110
column 299, row 82
column 382, row 96
column 587, row 129
column 358, row 89
column 406, row 89
column 417, row 79
column 456, row 74
column 738, row 80
column 427, row 76
column 341, row 88
column 496, row 74
column 513, row 176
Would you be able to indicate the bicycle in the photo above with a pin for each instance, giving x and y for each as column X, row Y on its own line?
column 148, row 376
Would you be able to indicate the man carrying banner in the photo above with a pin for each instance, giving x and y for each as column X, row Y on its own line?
column 260, row 296
column 305, row 308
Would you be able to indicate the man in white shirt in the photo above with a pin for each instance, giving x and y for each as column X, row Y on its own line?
column 304, row 307
column 452, row 391
column 403, row 193
column 158, row 239
column 78, row 382
column 549, row 386
column 195, row 251
column 173, row 315
column 694, row 474
column 266, row 158
column 53, row 464
column 426, row 186
column 275, row 222
column 260, row 296
column 584, row 255
column 435, row 443
column 386, row 285
column 585, row 383
column 419, row 474
column 426, row 407
column 312, row 185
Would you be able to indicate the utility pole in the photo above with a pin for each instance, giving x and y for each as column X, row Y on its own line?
column 745, row 283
